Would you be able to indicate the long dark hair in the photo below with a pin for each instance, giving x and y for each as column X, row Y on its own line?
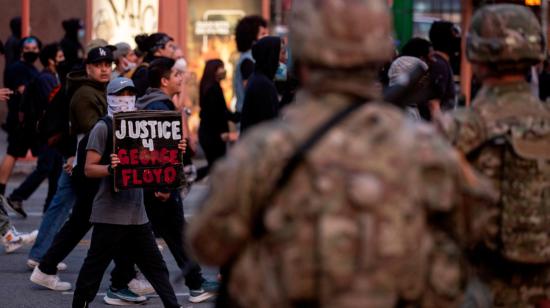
column 209, row 75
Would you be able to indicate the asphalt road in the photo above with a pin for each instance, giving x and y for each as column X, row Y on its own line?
column 16, row 291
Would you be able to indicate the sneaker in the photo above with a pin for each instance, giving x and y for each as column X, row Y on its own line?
column 125, row 295
column 32, row 264
column 11, row 241
column 140, row 286
column 26, row 238
column 51, row 282
column 17, row 206
column 208, row 290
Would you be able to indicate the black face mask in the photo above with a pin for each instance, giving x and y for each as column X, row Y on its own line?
column 30, row 57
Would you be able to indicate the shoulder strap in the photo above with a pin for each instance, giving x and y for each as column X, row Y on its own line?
column 298, row 157
column 106, row 157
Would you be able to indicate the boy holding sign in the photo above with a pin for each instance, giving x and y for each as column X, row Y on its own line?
column 120, row 223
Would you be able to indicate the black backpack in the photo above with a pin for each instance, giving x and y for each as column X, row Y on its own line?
column 78, row 170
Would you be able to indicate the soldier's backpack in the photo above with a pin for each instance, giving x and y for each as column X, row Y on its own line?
column 524, row 179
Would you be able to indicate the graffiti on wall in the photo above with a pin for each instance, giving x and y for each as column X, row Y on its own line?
column 121, row 20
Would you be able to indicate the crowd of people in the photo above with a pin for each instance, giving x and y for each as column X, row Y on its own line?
column 372, row 186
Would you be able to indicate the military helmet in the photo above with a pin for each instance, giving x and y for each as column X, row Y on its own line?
column 505, row 33
column 341, row 33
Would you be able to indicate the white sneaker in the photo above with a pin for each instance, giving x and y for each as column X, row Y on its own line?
column 11, row 241
column 32, row 264
column 51, row 282
column 28, row 238
column 140, row 286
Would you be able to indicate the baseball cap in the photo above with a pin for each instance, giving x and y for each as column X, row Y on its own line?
column 98, row 54
column 120, row 83
column 122, row 50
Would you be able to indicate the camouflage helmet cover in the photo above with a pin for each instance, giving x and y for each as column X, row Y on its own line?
column 341, row 33
column 505, row 33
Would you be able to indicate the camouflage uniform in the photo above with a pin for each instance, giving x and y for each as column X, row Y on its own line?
column 367, row 219
column 506, row 135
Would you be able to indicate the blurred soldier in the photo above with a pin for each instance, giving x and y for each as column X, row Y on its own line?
column 343, row 202
column 506, row 135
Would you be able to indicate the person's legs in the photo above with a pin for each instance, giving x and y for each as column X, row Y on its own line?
column 6, row 168
column 102, row 249
column 54, row 217
column 53, row 178
column 170, row 224
column 44, row 167
column 141, row 244
column 124, row 270
column 73, row 231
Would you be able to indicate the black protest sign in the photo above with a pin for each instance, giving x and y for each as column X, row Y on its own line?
column 146, row 143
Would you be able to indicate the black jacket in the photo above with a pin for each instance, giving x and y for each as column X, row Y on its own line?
column 214, row 114
column 261, row 101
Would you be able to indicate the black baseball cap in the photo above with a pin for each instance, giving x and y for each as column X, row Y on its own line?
column 99, row 54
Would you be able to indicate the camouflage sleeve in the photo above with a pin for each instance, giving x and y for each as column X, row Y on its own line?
column 463, row 128
column 240, row 183
column 461, row 198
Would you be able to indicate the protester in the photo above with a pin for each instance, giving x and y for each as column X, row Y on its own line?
column 125, row 60
column 55, row 128
column 249, row 30
column 430, row 105
column 446, row 43
column 35, row 100
column 261, row 100
column 155, row 46
column 213, row 129
column 20, row 74
column 88, row 105
column 120, row 222
column 70, row 44
column 164, row 206
column 402, row 68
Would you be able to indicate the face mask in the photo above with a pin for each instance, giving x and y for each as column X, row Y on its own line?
column 30, row 57
column 120, row 104
column 180, row 65
column 281, row 74
column 129, row 66
column 81, row 34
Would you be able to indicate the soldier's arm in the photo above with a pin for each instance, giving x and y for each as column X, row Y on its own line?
column 455, row 191
column 463, row 128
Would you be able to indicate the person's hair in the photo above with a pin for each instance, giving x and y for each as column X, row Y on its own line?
column 441, row 33
column 49, row 52
column 141, row 42
column 416, row 47
column 71, row 26
column 15, row 26
column 158, row 69
column 209, row 75
column 29, row 38
column 247, row 30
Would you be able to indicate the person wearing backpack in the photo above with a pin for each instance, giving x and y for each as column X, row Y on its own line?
column 36, row 97
column 119, row 218
column 506, row 136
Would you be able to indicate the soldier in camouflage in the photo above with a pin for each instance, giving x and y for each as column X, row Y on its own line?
column 506, row 135
column 367, row 217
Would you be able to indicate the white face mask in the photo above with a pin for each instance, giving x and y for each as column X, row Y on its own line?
column 180, row 65
column 129, row 66
column 120, row 104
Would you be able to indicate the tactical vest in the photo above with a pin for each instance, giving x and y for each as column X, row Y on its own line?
column 517, row 157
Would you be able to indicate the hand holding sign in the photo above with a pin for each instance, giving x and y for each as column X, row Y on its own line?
column 148, row 146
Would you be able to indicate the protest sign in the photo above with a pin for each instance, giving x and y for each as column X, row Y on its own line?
column 146, row 143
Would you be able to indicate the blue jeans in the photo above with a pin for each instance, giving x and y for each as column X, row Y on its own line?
column 55, row 216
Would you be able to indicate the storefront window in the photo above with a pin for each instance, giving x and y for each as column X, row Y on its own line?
column 425, row 12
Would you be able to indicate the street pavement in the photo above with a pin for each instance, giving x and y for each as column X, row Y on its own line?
column 16, row 291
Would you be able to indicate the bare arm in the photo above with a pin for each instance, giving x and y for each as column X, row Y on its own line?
column 93, row 167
